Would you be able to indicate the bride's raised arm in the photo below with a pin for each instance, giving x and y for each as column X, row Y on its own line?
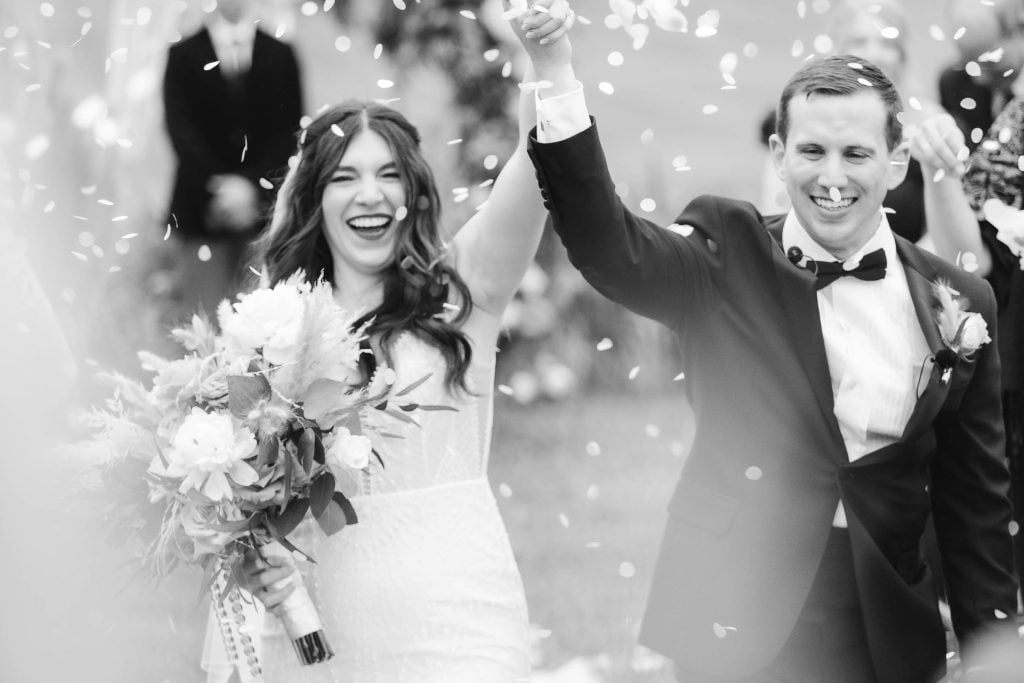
column 496, row 245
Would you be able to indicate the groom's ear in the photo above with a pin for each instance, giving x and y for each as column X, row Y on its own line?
column 899, row 161
column 777, row 148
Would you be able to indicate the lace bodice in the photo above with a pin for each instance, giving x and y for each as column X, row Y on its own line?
column 443, row 446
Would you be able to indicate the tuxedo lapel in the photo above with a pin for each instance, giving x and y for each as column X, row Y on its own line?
column 920, row 276
column 800, row 300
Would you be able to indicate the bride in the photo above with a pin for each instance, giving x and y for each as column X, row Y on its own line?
column 425, row 586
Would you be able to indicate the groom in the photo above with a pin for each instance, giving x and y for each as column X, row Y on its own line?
column 836, row 409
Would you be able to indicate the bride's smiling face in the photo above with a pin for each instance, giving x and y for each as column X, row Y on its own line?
column 361, row 205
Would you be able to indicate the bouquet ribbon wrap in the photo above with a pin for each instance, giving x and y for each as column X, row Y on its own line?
column 299, row 615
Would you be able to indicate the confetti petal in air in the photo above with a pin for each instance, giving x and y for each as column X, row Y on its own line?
column 378, row 50
column 801, row 9
column 707, row 24
column 342, row 43
column 336, row 129
column 648, row 205
column 328, row 5
column 604, row 344
column 399, row 4
column 400, row 213
column 680, row 377
column 992, row 55
column 468, row 14
column 709, row 109
column 939, row 175
column 835, row 194
column 627, row 570
column 593, row 448
column 968, row 103
column 936, row 32
column 634, row 371
column 959, row 33
column 266, row 184
column 491, row 55
column 505, row 389
column 722, row 631
column 211, row 65
column 563, row 519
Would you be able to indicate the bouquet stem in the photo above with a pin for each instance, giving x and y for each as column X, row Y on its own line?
column 300, row 618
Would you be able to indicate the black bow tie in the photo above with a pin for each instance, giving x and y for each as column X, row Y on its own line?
column 871, row 267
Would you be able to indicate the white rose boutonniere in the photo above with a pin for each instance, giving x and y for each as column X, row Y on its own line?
column 963, row 332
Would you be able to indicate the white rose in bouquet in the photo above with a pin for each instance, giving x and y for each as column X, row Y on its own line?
column 267, row 319
column 206, row 450
column 348, row 449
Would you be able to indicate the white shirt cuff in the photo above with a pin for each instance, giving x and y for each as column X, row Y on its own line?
column 561, row 116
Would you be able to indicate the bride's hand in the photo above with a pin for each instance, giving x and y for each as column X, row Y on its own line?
column 271, row 579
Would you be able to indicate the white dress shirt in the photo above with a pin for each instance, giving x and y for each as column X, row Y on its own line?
column 232, row 43
column 878, row 357
column 877, row 353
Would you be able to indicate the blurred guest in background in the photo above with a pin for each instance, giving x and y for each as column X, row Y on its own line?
column 233, row 99
column 986, row 73
column 984, row 231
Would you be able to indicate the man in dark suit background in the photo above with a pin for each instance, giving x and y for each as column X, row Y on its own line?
column 233, row 98
column 836, row 409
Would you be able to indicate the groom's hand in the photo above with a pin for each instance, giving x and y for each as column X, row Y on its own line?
column 541, row 27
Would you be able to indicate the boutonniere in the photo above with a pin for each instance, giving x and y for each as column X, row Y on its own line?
column 963, row 332
column 1009, row 225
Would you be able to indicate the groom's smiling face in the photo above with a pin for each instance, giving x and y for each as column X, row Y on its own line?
column 837, row 166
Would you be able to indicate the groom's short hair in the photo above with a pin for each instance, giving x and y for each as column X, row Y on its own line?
column 838, row 76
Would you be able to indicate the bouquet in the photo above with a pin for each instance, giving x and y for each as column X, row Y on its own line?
column 234, row 443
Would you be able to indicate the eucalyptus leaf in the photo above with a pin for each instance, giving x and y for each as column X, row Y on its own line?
column 307, row 447
column 332, row 519
column 286, row 522
column 320, row 493
column 267, row 452
column 415, row 384
column 245, row 392
column 346, row 506
column 322, row 397
column 433, row 408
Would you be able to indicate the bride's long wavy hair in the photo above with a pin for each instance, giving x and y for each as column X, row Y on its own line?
column 422, row 290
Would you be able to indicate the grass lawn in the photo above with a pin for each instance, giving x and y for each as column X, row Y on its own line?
column 587, row 481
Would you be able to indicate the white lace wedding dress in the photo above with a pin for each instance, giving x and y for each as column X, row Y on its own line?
column 425, row 587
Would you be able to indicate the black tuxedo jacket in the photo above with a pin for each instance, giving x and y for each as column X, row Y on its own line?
column 750, row 517
column 211, row 120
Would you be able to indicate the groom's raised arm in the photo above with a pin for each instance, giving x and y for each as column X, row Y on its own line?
column 661, row 273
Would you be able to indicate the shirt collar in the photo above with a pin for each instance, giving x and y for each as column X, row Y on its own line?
column 795, row 235
column 224, row 32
